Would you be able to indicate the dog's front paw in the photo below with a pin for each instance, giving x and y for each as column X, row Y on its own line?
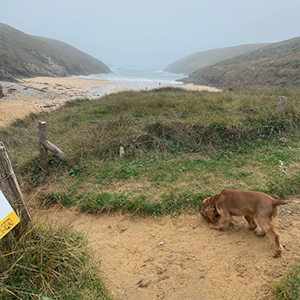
column 259, row 232
column 212, row 226
column 277, row 254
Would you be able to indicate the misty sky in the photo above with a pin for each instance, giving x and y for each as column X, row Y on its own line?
column 153, row 33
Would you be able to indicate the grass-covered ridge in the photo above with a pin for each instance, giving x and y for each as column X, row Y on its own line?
column 274, row 65
column 197, row 60
column 24, row 55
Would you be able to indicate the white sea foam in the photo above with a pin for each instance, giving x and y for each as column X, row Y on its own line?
column 127, row 78
column 121, row 74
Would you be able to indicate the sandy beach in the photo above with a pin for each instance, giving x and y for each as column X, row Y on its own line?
column 48, row 93
column 42, row 93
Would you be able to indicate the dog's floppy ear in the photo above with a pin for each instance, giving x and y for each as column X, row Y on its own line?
column 209, row 209
column 214, row 200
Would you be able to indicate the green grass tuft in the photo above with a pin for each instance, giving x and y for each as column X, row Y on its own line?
column 48, row 263
column 172, row 203
column 288, row 288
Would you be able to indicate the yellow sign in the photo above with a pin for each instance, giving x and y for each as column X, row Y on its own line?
column 8, row 218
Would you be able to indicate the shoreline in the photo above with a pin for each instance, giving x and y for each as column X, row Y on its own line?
column 47, row 93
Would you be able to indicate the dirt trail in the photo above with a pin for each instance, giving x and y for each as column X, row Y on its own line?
column 194, row 261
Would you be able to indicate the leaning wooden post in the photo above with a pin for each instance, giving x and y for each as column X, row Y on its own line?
column 54, row 149
column 10, row 187
column 43, row 150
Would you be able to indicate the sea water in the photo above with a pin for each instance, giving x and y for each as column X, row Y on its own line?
column 133, row 78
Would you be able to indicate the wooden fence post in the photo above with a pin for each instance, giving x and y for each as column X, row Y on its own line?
column 282, row 101
column 43, row 150
column 122, row 151
column 10, row 187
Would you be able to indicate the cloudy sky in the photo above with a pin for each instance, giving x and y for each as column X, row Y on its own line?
column 153, row 33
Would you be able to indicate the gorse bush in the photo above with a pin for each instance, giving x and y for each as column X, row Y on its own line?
column 171, row 135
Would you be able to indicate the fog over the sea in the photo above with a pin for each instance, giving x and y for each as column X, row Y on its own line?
column 153, row 33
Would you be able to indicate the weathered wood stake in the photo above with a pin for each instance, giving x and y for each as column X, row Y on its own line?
column 282, row 101
column 43, row 150
column 122, row 151
column 10, row 187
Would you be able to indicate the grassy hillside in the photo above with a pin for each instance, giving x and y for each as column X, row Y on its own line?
column 23, row 55
column 180, row 147
column 195, row 61
column 89, row 64
column 276, row 65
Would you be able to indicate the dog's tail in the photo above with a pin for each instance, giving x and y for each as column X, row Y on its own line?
column 278, row 202
column 275, row 204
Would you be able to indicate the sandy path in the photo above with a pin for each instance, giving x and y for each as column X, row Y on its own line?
column 46, row 93
column 194, row 261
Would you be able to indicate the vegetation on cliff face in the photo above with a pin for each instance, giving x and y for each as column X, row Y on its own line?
column 195, row 61
column 23, row 55
column 274, row 65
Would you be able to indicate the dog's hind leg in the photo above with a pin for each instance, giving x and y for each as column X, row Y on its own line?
column 251, row 222
column 259, row 230
column 269, row 228
column 274, row 235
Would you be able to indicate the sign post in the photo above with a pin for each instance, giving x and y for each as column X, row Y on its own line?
column 8, row 218
column 10, row 187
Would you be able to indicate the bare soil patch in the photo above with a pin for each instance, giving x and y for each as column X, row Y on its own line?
column 194, row 262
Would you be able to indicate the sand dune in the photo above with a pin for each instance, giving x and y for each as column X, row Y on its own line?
column 46, row 93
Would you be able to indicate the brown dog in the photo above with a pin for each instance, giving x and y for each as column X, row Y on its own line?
column 257, row 208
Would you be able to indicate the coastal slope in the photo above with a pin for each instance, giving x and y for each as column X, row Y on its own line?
column 275, row 65
column 23, row 55
column 195, row 61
